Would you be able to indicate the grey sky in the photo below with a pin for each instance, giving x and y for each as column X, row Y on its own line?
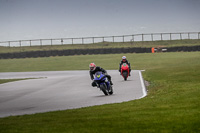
column 34, row 19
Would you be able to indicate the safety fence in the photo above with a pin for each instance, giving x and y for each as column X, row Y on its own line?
column 92, row 40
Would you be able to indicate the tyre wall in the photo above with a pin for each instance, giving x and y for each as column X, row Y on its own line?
column 35, row 54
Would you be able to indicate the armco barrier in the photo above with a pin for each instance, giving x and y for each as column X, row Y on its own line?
column 35, row 54
column 122, row 38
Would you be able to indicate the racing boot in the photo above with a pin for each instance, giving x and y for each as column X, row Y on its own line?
column 111, row 82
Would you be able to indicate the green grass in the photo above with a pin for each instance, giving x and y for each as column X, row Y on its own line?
column 148, row 44
column 172, row 103
column 8, row 80
column 2, row 81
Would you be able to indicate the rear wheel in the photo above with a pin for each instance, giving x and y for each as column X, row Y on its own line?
column 111, row 90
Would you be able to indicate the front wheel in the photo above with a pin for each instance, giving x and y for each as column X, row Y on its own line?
column 125, row 75
column 103, row 87
column 125, row 78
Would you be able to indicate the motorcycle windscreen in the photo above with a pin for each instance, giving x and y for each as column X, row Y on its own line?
column 99, row 77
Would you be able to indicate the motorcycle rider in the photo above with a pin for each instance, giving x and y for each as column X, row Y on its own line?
column 94, row 69
column 124, row 60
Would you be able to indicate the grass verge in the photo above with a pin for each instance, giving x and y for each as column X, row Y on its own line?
column 172, row 103
column 2, row 81
column 8, row 80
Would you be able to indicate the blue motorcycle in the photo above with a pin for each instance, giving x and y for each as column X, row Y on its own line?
column 103, row 83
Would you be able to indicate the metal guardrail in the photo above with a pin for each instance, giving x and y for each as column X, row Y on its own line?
column 92, row 40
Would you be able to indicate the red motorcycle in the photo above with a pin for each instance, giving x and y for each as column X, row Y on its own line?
column 125, row 71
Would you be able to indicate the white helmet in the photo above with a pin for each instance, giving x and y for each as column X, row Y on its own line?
column 92, row 66
column 124, row 58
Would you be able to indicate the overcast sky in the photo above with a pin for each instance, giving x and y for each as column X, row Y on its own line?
column 43, row 19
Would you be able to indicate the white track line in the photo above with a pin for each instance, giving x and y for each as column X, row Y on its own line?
column 142, row 84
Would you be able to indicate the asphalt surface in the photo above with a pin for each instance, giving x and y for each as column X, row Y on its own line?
column 61, row 90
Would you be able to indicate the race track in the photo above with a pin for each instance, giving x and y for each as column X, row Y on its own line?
column 61, row 90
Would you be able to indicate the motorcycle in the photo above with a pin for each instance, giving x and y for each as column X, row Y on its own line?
column 103, row 84
column 125, row 71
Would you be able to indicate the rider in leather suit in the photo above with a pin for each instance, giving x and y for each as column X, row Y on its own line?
column 94, row 69
column 124, row 60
